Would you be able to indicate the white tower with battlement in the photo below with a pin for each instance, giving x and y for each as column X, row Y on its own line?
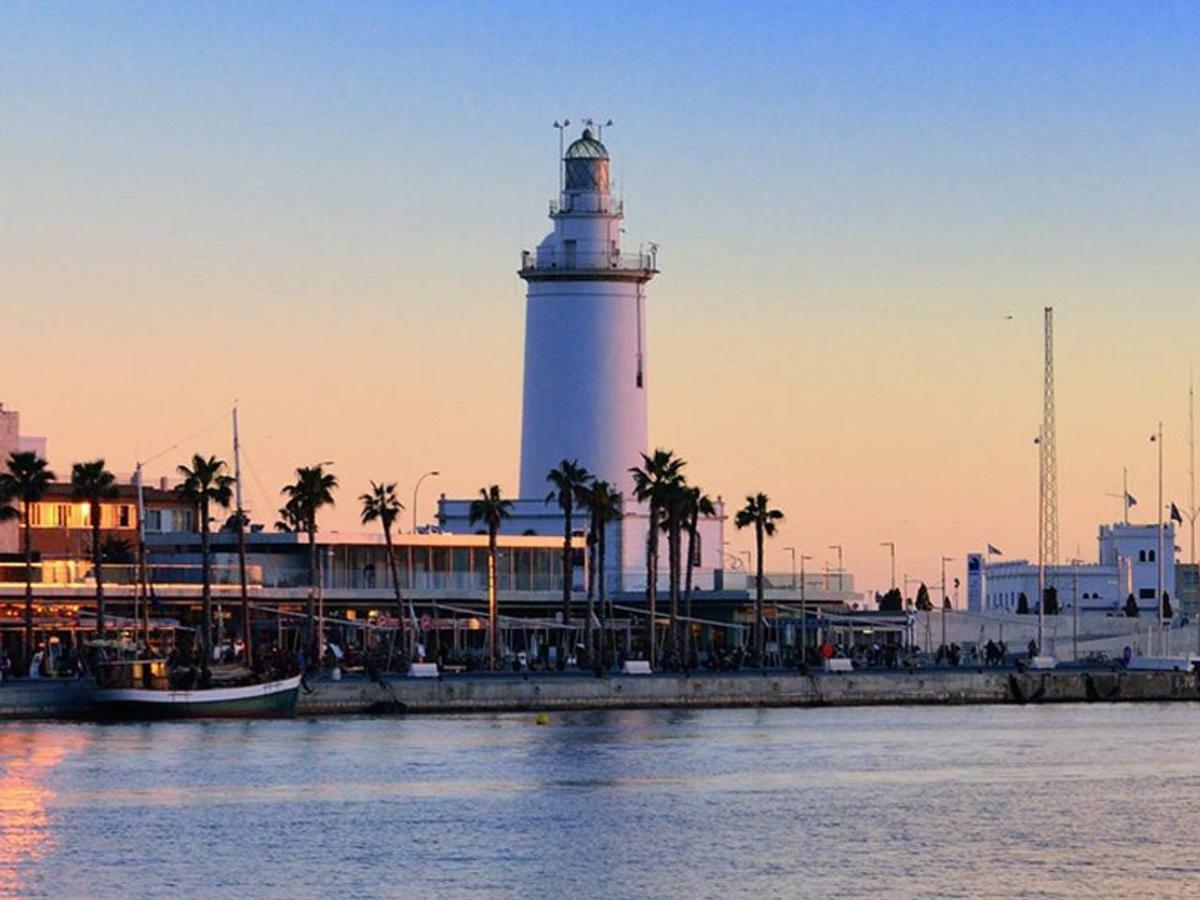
column 585, row 333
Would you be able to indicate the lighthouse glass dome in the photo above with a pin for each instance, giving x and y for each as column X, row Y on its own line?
column 586, row 163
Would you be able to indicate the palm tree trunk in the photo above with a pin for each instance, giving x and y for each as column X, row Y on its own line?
column 589, row 636
column 568, row 577
column 395, row 573
column 672, row 585
column 28, row 584
column 601, row 551
column 97, row 571
column 760, row 632
column 651, row 582
column 687, row 587
column 493, row 605
column 206, row 591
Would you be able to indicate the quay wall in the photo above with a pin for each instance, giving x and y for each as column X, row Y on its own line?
column 545, row 692
column 507, row 694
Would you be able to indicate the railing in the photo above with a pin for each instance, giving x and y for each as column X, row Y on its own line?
column 552, row 261
column 594, row 204
column 78, row 574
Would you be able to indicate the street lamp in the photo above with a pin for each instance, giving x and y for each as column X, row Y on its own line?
column 416, row 488
column 838, row 548
column 803, row 613
column 792, row 550
column 945, row 559
column 1157, row 437
column 891, row 545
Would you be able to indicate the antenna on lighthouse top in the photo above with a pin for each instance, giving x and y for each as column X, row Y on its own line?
column 561, row 126
column 592, row 123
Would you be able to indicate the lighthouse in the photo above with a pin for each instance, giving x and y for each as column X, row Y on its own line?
column 584, row 395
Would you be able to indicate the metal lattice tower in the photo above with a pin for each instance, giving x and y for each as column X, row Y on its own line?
column 1049, row 460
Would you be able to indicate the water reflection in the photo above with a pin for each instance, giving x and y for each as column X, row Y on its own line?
column 27, row 758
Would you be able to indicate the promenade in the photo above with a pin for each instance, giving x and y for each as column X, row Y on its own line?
column 486, row 693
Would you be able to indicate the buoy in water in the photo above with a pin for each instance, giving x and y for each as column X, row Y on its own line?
column 542, row 719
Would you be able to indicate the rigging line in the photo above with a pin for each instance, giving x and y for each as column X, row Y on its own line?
column 182, row 440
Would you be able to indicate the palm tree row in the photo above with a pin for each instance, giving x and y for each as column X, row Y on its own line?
column 673, row 507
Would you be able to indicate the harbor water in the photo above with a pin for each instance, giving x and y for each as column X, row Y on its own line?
column 997, row 801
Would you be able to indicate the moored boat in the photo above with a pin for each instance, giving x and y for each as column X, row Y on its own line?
column 141, row 689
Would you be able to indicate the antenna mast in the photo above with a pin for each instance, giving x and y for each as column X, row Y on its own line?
column 1049, row 499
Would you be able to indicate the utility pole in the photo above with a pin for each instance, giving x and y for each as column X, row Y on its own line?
column 792, row 550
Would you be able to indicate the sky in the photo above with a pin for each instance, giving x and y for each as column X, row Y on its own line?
column 862, row 209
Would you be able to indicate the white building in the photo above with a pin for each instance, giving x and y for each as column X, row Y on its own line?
column 1129, row 564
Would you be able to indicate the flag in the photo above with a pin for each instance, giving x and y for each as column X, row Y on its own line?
column 1130, row 500
column 1176, row 515
column 993, row 550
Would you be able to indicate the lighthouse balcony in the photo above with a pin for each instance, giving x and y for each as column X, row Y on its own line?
column 590, row 202
column 550, row 264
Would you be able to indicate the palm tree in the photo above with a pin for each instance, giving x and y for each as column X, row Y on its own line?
column 758, row 512
column 604, row 506
column 383, row 506
column 312, row 489
column 675, row 513
column 93, row 484
column 570, row 482
column 204, row 485
column 651, row 482
column 27, row 480
column 8, row 512
column 289, row 519
column 699, row 504
column 491, row 509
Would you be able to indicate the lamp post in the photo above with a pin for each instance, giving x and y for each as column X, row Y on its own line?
column 945, row 559
column 416, row 488
column 803, row 613
column 792, row 550
column 838, row 548
column 1157, row 437
column 891, row 545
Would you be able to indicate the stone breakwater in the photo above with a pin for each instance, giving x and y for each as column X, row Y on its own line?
column 515, row 693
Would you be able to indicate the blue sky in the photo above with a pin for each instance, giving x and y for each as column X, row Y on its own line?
column 271, row 200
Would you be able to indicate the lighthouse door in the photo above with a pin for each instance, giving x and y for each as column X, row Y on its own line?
column 569, row 253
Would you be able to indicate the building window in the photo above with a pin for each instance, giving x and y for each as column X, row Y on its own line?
column 154, row 520
column 1141, row 556
column 123, row 517
column 1151, row 556
column 1146, row 593
column 696, row 552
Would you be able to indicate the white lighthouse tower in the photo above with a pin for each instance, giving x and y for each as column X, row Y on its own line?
column 585, row 333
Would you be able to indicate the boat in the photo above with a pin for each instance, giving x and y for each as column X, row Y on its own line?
column 142, row 689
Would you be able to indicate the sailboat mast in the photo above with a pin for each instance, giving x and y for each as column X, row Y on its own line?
column 142, row 586
column 241, row 535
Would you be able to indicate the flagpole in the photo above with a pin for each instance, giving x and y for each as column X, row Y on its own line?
column 1125, row 492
